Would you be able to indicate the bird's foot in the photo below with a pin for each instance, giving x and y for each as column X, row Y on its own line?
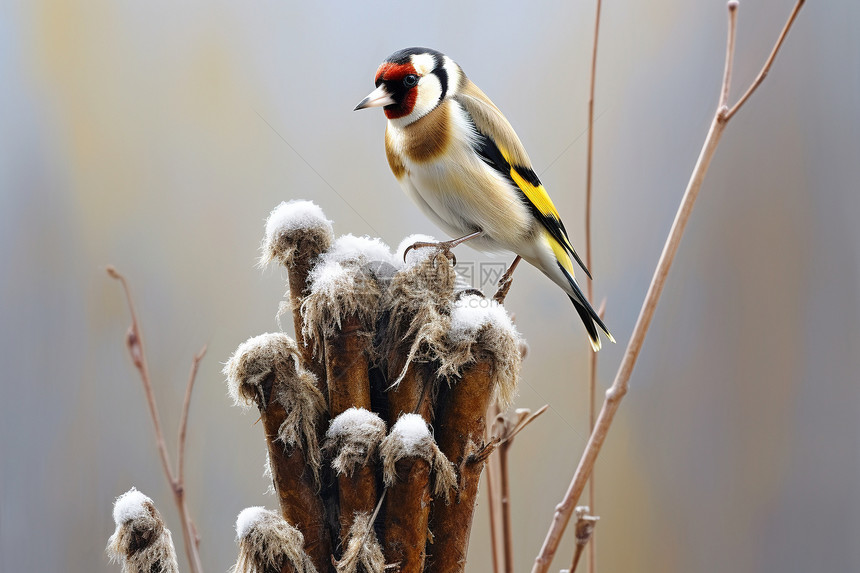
column 443, row 247
column 505, row 282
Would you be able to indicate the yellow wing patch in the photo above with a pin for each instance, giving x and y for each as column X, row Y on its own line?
column 560, row 253
column 538, row 197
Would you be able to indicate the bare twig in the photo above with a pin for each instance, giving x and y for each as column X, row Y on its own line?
column 767, row 65
column 509, row 425
column 730, row 54
column 493, row 495
column 592, row 420
column 590, row 149
column 619, row 386
column 592, row 362
column 507, row 533
column 135, row 344
column 186, row 404
column 524, row 418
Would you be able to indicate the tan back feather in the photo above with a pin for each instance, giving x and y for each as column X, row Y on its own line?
column 490, row 121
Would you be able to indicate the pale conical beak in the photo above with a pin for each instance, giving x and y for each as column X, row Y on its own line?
column 377, row 98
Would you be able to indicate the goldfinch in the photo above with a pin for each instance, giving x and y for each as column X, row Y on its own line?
column 459, row 159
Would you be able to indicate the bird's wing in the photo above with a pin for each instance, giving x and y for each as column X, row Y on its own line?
column 497, row 144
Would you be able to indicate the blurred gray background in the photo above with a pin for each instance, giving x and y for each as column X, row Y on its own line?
column 157, row 136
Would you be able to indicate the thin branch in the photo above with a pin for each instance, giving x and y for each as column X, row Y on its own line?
column 186, row 404
column 509, row 425
column 525, row 418
column 507, row 532
column 766, row 68
column 730, row 53
column 590, row 149
column 592, row 420
column 493, row 501
column 135, row 344
column 183, row 425
column 592, row 363
column 619, row 386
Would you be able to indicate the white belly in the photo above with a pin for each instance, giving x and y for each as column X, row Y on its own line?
column 462, row 194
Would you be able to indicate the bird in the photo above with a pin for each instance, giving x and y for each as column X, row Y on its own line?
column 457, row 157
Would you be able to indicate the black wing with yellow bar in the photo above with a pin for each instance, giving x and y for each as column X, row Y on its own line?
column 533, row 193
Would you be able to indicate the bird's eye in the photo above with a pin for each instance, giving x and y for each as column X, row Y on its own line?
column 410, row 81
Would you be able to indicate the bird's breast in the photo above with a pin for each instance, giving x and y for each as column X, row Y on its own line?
column 435, row 163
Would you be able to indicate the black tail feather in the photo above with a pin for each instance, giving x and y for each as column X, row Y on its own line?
column 586, row 312
column 588, row 321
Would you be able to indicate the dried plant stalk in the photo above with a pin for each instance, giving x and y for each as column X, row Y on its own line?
column 414, row 393
column 414, row 322
column 619, row 387
column 409, row 456
column 136, row 347
column 589, row 263
column 347, row 367
column 363, row 553
column 268, row 544
column 141, row 542
column 353, row 440
column 415, row 311
column 584, row 532
column 407, row 512
column 266, row 371
column 493, row 497
column 297, row 232
column 296, row 487
column 460, row 426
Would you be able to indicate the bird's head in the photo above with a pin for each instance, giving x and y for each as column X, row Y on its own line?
column 412, row 82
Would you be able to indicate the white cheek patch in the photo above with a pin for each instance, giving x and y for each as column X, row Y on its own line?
column 423, row 63
column 429, row 92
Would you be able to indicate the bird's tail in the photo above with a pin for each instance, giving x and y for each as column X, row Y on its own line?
column 589, row 317
column 556, row 263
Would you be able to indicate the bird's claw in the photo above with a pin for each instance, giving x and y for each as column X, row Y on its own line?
column 443, row 247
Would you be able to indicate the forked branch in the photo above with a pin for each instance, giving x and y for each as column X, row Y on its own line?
column 619, row 386
column 135, row 344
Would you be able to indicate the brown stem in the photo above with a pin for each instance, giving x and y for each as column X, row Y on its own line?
column 407, row 510
column 619, row 386
column 509, row 425
column 577, row 553
column 767, row 65
column 589, row 162
column 136, row 347
column 354, row 455
column 186, row 405
column 179, row 488
column 135, row 344
column 507, row 534
column 412, row 394
column 493, row 496
column 357, row 493
column 592, row 420
column 294, row 483
column 730, row 54
column 460, row 428
column 347, row 368
column 302, row 261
